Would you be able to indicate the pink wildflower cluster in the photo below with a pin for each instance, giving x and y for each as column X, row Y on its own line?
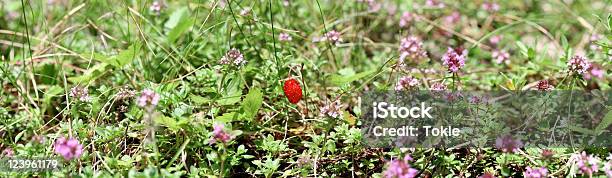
column 332, row 109
column 7, row 152
column 535, row 172
column 587, row 164
column 148, row 98
column 233, row 56
column 373, row 5
column 501, row 56
column 544, row 85
column 547, row 153
column 490, row 6
column 494, row 40
column 594, row 71
column 219, row 134
column 411, row 47
column 156, row 7
column 579, row 64
column 434, row 4
column 487, row 175
column 607, row 169
column 438, row 87
column 68, row 148
column 81, row 93
column 284, row 37
column 333, row 37
column 400, row 168
column 454, row 59
column 406, row 19
column 452, row 18
column 406, row 82
column 508, row 144
column 607, row 166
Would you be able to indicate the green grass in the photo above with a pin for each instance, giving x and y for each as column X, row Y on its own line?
column 114, row 48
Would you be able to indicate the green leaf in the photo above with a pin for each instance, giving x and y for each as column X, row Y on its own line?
column 339, row 80
column 522, row 47
column 168, row 122
column 582, row 130
column 175, row 18
column 199, row 99
column 564, row 42
column 252, row 102
column 232, row 92
column 52, row 92
column 124, row 57
column 179, row 29
column 98, row 57
column 605, row 123
column 227, row 117
column 610, row 22
column 90, row 74
column 127, row 56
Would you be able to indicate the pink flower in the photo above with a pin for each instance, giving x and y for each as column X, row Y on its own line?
column 547, row 153
column 406, row 19
column 219, row 134
column 490, row 6
column 544, row 85
column 434, row 4
column 406, row 82
column 478, row 99
column 501, row 56
column 373, row 6
column 508, row 144
column 587, row 164
column 332, row 109
column 454, row 59
column 411, row 47
column 487, row 175
column 606, row 168
column 494, row 40
column 594, row 71
column 452, row 18
column 400, row 169
column 333, row 37
column 81, row 93
column 69, row 149
column 391, row 9
column 535, row 172
column 156, row 7
column 233, row 56
column 438, row 86
column 578, row 64
column 596, row 37
column 284, row 37
column 245, row 12
column 7, row 152
column 148, row 98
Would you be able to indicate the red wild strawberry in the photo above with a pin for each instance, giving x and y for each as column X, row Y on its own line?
column 292, row 90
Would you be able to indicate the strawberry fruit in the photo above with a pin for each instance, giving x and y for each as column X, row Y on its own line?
column 292, row 90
